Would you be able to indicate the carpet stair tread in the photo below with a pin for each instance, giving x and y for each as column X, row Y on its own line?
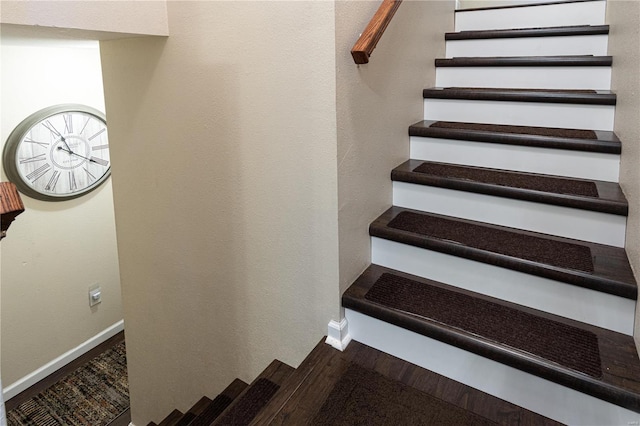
column 362, row 385
column 585, row 264
column 587, row 97
column 606, row 197
column 256, row 396
column 172, row 418
column 542, row 137
column 213, row 408
column 592, row 360
column 527, row 61
column 573, row 30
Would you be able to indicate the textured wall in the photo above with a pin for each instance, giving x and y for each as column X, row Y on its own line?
column 376, row 103
column 624, row 45
column 225, row 189
column 54, row 251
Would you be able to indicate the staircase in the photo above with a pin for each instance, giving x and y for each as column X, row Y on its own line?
column 501, row 264
column 499, row 291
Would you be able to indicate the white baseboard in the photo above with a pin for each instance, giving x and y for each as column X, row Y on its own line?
column 51, row 367
column 338, row 334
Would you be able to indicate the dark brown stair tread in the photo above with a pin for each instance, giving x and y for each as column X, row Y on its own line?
column 256, row 396
column 365, row 397
column 215, row 407
column 619, row 382
column 172, row 418
column 572, row 30
column 585, row 264
column 526, row 61
column 313, row 382
column 588, row 97
column 542, row 137
column 515, row 6
column 606, row 197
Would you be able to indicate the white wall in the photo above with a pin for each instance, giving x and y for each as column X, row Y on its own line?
column 376, row 104
column 54, row 250
column 225, row 189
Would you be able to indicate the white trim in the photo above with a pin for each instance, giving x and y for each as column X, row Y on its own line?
column 338, row 334
column 570, row 301
column 568, row 116
column 64, row 359
column 585, row 225
column 518, row 387
column 550, row 161
column 552, row 15
column 529, row 46
column 531, row 77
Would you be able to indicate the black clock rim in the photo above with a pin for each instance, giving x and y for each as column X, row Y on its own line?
column 18, row 133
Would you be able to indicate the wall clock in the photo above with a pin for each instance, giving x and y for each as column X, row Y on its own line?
column 58, row 153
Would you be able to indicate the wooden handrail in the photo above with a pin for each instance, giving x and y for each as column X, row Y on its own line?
column 10, row 205
column 371, row 35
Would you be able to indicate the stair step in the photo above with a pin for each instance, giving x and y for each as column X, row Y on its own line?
column 551, row 41
column 527, row 61
column 583, row 97
column 536, row 342
column 531, row 3
column 478, row 194
column 361, row 382
column 562, row 152
column 172, row 419
column 584, row 264
column 605, row 197
column 572, row 30
column 541, row 137
column 215, row 407
column 578, row 109
column 532, row 16
column 256, row 396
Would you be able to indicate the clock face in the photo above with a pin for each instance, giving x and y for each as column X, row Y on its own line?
column 59, row 153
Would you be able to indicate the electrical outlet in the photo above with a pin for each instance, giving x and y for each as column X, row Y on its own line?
column 95, row 295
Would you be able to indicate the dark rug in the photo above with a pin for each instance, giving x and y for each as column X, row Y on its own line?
column 514, row 244
column 250, row 404
column 364, row 397
column 565, row 345
column 94, row 395
column 516, row 180
column 520, row 130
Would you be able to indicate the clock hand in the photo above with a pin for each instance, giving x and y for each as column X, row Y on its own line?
column 64, row 141
column 78, row 155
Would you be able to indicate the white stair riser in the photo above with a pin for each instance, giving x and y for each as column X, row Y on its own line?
column 559, row 162
column 566, row 222
column 553, row 15
column 569, row 78
column 526, row 390
column 529, row 46
column 570, row 301
column 571, row 116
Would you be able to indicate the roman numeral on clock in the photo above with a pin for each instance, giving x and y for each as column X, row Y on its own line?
column 43, row 144
column 99, row 161
column 51, row 128
column 40, row 157
column 53, row 181
column 68, row 123
column 39, row 172
column 89, row 175
column 96, row 135
column 72, row 181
